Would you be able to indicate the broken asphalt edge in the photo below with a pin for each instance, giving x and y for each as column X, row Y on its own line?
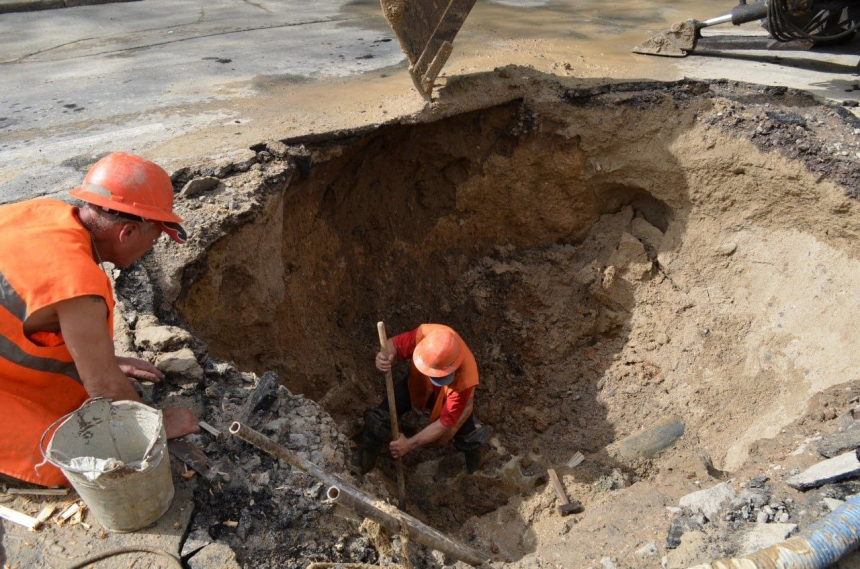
column 8, row 6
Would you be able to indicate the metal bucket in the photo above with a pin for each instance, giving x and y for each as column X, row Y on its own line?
column 115, row 456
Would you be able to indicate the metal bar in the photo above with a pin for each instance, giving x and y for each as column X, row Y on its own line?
column 361, row 503
column 355, row 500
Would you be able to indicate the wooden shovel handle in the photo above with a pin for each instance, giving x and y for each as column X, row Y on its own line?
column 392, row 410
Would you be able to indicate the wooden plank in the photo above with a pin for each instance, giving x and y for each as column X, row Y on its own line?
column 19, row 518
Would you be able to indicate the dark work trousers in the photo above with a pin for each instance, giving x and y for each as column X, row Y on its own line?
column 403, row 405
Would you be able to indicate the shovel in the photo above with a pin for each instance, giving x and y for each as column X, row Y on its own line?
column 392, row 409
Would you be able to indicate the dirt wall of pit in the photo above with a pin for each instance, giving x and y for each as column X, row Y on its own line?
column 612, row 257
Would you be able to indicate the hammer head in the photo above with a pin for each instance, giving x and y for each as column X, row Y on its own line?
column 570, row 508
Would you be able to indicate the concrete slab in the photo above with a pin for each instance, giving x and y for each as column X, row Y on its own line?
column 842, row 467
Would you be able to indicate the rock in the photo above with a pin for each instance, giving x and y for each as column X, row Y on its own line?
column 677, row 528
column 648, row 550
column 161, row 338
column 262, row 399
column 607, row 563
column 197, row 540
column 758, row 481
column 214, row 555
column 277, row 148
column 727, row 249
column 182, row 363
column 198, row 186
column 835, row 469
column 838, row 443
column 762, row 517
column 708, row 502
column 631, row 259
column 832, row 503
column 764, row 535
column 646, row 233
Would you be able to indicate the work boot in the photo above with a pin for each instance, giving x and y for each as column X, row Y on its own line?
column 370, row 439
column 365, row 458
column 473, row 460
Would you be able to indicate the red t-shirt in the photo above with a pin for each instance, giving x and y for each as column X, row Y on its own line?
column 456, row 401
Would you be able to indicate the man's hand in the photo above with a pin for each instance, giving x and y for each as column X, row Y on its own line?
column 139, row 369
column 384, row 363
column 180, row 421
column 401, row 446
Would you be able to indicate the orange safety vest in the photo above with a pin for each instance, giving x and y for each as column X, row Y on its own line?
column 420, row 388
column 45, row 258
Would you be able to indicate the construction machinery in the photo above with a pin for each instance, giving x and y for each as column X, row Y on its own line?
column 790, row 25
column 426, row 30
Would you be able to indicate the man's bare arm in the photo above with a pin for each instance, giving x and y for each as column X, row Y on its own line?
column 429, row 434
column 83, row 322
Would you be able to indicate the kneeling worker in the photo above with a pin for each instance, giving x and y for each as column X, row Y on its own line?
column 442, row 379
column 57, row 307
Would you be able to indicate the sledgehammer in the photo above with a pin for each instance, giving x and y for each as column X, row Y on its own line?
column 392, row 409
column 565, row 507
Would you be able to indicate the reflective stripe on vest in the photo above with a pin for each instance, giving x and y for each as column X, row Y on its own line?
column 10, row 300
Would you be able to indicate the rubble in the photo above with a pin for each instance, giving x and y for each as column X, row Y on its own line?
column 832, row 470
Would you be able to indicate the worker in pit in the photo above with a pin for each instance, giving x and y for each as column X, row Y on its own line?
column 57, row 308
column 442, row 379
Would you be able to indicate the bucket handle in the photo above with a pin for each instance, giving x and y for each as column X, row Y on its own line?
column 52, row 428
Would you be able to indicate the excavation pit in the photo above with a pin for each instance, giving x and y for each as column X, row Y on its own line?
column 615, row 257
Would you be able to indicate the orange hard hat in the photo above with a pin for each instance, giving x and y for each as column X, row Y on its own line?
column 438, row 354
column 129, row 184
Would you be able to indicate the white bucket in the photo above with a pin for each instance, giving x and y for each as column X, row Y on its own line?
column 115, row 456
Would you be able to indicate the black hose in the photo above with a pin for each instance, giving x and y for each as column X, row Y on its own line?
column 782, row 25
column 175, row 563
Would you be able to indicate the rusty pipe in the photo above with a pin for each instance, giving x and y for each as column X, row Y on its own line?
column 355, row 500
column 348, row 496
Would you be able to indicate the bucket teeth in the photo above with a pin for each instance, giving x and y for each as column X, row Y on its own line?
column 677, row 41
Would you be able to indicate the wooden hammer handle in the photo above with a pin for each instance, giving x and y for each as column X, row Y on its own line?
column 559, row 489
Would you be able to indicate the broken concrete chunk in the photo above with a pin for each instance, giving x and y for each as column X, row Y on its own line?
column 181, row 364
column 763, row 536
column 838, row 443
column 708, row 502
column 161, row 338
column 214, row 555
column 263, row 397
column 198, row 186
column 832, row 503
column 277, row 148
column 842, row 467
column 197, row 540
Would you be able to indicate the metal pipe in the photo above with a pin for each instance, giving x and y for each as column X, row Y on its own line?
column 355, row 500
column 716, row 21
column 266, row 444
column 348, row 496
column 822, row 546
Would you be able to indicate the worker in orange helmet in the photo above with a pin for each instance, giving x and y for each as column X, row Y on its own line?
column 57, row 307
column 442, row 379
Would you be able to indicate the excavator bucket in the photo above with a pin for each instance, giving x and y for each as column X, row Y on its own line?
column 426, row 30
